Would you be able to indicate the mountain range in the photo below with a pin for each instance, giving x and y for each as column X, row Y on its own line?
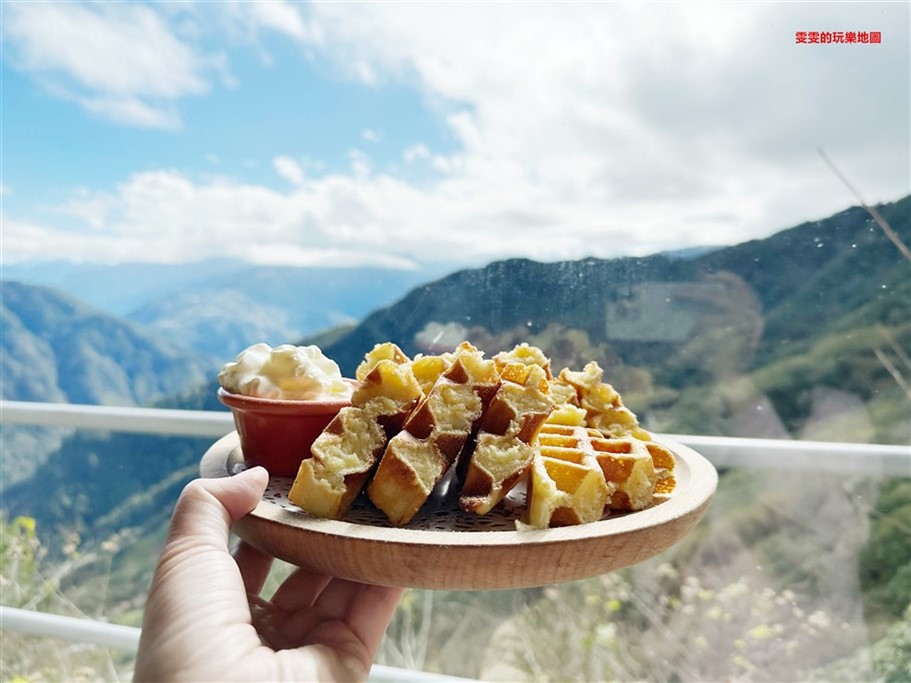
column 56, row 349
column 216, row 308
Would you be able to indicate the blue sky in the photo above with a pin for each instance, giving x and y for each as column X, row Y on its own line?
column 406, row 133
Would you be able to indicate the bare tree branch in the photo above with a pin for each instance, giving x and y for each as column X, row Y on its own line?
column 899, row 351
column 896, row 375
column 880, row 221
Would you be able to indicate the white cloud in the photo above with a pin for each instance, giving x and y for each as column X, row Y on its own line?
column 279, row 16
column 118, row 60
column 416, row 152
column 288, row 169
column 583, row 129
column 370, row 135
column 131, row 111
column 660, row 114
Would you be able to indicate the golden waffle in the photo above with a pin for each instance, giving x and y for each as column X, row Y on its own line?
column 502, row 452
column 436, row 431
column 344, row 455
column 567, row 484
column 427, row 369
column 628, row 464
column 384, row 351
column 525, row 355
column 664, row 463
column 603, row 406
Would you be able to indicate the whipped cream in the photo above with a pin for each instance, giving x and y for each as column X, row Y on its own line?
column 297, row 373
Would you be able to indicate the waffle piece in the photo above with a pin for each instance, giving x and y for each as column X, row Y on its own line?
column 502, row 450
column 427, row 369
column 604, row 411
column 664, row 463
column 628, row 464
column 603, row 406
column 526, row 355
column 417, row 458
column 384, row 351
column 566, row 414
column 344, row 455
column 567, row 484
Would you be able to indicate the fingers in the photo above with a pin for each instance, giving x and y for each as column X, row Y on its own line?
column 254, row 566
column 364, row 610
column 197, row 601
column 300, row 590
column 370, row 612
column 207, row 507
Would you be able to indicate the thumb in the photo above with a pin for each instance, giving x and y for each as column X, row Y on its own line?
column 207, row 507
column 194, row 573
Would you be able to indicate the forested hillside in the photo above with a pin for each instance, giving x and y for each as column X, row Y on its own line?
column 56, row 349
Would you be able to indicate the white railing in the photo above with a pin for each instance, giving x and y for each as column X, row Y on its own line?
column 721, row 451
column 31, row 623
column 818, row 456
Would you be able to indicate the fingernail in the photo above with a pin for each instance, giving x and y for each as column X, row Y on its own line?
column 258, row 472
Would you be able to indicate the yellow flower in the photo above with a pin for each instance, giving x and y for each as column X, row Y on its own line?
column 761, row 632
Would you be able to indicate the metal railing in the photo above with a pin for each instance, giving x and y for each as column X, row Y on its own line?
column 723, row 452
column 31, row 623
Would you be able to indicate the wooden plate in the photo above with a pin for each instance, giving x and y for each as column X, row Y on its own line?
column 444, row 548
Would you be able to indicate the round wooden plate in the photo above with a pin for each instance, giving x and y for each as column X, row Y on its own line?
column 444, row 548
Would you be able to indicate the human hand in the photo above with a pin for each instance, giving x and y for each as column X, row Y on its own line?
column 204, row 619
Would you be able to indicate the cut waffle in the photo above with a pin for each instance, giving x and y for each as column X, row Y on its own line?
column 604, row 409
column 504, row 420
column 434, row 434
column 524, row 354
column 344, row 455
column 664, row 462
column 427, row 369
column 628, row 464
column 567, row 484
column 502, row 450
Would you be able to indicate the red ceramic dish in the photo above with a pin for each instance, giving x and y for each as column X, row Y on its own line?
column 277, row 434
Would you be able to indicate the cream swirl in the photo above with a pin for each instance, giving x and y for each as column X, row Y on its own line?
column 298, row 373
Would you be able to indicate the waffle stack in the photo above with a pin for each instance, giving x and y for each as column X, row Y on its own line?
column 433, row 435
column 567, row 484
column 503, row 449
column 498, row 422
column 587, row 400
column 344, row 455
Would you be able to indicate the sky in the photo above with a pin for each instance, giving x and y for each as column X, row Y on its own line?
column 402, row 134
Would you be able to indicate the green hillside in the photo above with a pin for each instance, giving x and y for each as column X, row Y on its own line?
column 56, row 349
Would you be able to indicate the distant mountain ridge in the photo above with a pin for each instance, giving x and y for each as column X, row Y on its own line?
column 820, row 273
column 219, row 307
column 55, row 348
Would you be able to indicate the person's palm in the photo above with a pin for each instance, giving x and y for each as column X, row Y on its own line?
column 204, row 619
